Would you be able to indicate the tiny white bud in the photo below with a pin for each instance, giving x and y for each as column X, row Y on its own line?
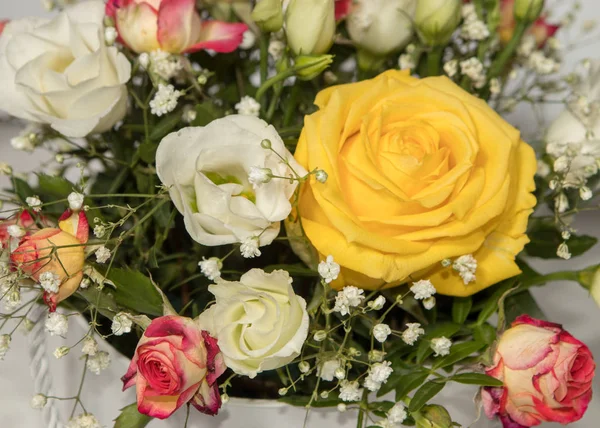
column 320, row 335
column 321, row 176
column 61, row 352
column 38, row 401
column 304, row 367
column 283, row 391
column 75, row 200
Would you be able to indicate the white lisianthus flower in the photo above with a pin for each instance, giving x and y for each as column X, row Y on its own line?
column 61, row 72
column 207, row 171
column 259, row 322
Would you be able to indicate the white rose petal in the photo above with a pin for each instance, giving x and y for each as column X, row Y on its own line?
column 259, row 322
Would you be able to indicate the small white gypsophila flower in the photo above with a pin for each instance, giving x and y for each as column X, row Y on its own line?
column 57, row 324
column 412, row 333
column 165, row 100
column 441, row 346
column 85, row 420
column 328, row 368
column 248, row 106
column 378, row 375
column 248, row 40
column 473, row 69
column 23, row 143
column 429, row 303
column 121, row 324
column 102, row 254
column 406, row 62
column 98, row 362
column 110, row 35
column 99, row 231
column 466, row 266
column 321, row 176
column 527, row 46
column 475, row 30
column 377, row 304
column 563, row 251
column 211, row 268
column 468, row 11
column 90, row 346
column 566, row 235
column 5, row 168
column 347, row 298
column 38, row 401
column 422, row 289
column 329, row 269
column 61, row 352
column 561, row 202
column 350, row 391
column 34, row 202
column 189, row 114
column 451, row 67
column 259, row 176
column 276, row 49
column 249, row 247
column 50, row 282
column 342, row 407
column 164, row 64
column 495, row 87
column 320, row 335
column 75, row 200
column 304, row 366
column 340, row 373
column 381, row 332
column 144, row 60
column 4, row 345
column 397, row 414
column 85, row 283
column 541, row 64
column 12, row 300
column 15, row 231
column 585, row 193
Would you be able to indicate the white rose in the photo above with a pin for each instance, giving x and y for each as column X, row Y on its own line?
column 207, row 171
column 259, row 322
column 381, row 26
column 61, row 73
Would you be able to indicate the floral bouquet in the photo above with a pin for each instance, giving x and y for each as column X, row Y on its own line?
column 311, row 201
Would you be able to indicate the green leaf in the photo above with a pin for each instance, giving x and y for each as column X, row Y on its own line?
column 131, row 418
column 457, row 353
column 136, row 291
column 57, row 187
column 484, row 333
column 164, row 126
column 409, row 382
column 476, row 379
column 491, row 304
column 147, row 152
column 21, row 188
column 103, row 298
column 424, row 394
column 461, row 308
column 206, row 113
column 545, row 238
column 294, row 270
column 521, row 303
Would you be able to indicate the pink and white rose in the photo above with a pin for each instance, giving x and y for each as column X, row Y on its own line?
column 547, row 375
column 175, row 363
column 172, row 26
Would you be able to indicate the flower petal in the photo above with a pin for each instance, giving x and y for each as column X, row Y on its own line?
column 219, row 36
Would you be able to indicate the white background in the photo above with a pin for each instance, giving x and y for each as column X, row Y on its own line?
column 562, row 302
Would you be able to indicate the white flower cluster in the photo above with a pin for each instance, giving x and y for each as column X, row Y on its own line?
column 211, row 268
column 441, row 346
column 350, row 391
column 249, row 247
column 423, row 289
column 50, row 282
column 121, row 324
column 474, row 70
column 165, row 100
column 395, row 416
column 329, row 269
column 412, row 333
column 84, row 420
column 57, row 324
column 34, row 202
column 4, row 345
column 248, row 106
column 161, row 63
column 473, row 28
column 377, row 375
column 466, row 266
column 98, row 362
column 102, row 254
column 348, row 297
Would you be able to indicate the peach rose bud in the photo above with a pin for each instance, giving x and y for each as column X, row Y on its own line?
column 547, row 376
column 173, row 26
column 55, row 250
column 175, row 363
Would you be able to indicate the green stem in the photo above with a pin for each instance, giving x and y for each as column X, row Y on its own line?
column 360, row 423
column 290, row 108
column 264, row 58
column 434, row 60
column 273, row 104
column 507, row 53
column 280, row 77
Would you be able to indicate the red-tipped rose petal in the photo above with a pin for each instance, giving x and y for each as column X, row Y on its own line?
column 219, row 36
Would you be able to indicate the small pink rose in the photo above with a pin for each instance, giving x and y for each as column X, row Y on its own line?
column 173, row 26
column 547, row 375
column 175, row 363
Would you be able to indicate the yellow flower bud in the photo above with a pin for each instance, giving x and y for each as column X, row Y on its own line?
column 310, row 26
column 436, row 20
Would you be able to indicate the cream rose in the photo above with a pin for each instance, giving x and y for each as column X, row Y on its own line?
column 60, row 72
column 259, row 322
column 207, row 171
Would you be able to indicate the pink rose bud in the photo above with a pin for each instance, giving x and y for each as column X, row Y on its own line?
column 173, row 26
column 175, row 363
column 55, row 250
column 547, row 375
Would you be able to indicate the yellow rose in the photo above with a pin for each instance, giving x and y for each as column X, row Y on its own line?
column 419, row 171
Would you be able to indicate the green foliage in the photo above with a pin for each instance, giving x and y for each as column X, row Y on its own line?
column 545, row 239
column 426, row 393
column 476, row 379
column 131, row 418
column 461, row 308
column 136, row 291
